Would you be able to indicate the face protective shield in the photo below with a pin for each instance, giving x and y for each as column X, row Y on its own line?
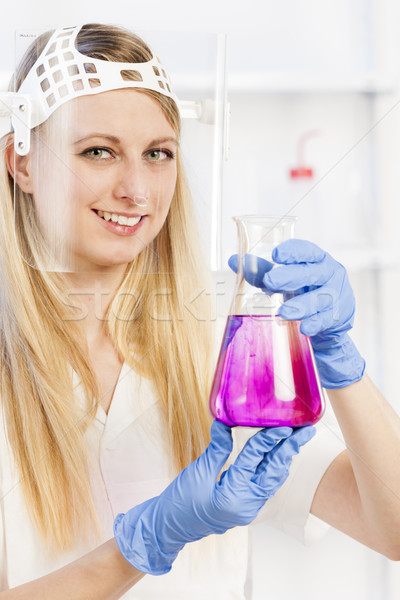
column 95, row 155
column 59, row 180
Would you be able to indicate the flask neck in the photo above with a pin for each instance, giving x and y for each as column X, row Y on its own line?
column 258, row 235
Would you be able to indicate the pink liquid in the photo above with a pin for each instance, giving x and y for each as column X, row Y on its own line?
column 266, row 375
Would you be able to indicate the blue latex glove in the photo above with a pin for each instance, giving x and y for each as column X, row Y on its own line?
column 324, row 303
column 196, row 505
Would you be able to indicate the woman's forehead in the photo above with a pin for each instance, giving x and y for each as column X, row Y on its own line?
column 120, row 113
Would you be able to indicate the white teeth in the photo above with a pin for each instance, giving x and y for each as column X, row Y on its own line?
column 120, row 219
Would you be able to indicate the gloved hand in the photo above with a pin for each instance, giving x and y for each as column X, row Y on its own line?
column 324, row 303
column 195, row 505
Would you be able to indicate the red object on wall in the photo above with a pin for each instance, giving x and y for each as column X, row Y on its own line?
column 301, row 171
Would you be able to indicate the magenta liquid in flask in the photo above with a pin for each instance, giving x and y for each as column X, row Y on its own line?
column 266, row 374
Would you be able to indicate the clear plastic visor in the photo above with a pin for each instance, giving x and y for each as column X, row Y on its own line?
column 96, row 187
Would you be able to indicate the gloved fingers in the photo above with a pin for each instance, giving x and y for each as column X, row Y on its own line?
column 238, row 497
column 293, row 277
column 217, row 452
column 297, row 251
column 309, row 304
column 320, row 311
column 254, row 268
column 255, row 448
column 318, row 323
column 274, row 469
column 281, row 456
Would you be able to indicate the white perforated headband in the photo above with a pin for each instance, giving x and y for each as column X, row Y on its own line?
column 61, row 73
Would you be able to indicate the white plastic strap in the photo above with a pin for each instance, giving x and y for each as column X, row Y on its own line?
column 61, row 73
column 19, row 108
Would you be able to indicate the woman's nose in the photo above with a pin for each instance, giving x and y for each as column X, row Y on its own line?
column 132, row 184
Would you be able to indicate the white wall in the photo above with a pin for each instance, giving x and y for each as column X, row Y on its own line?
column 329, row 66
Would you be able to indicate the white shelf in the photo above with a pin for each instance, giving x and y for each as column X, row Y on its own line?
column 263, row 82
column 289, row 83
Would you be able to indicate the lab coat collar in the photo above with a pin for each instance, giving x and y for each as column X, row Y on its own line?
column 133, row 395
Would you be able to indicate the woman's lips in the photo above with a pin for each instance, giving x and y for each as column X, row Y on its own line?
column 124, row 225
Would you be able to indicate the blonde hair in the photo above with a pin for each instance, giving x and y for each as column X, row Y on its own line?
column 41, row 345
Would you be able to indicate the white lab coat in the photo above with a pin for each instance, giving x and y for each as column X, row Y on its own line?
column 130, row 455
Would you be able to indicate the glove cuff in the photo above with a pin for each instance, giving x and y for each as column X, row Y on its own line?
column 137, row 540
column 340, row 364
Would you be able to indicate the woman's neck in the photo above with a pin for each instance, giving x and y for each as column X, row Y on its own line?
column 90, row 295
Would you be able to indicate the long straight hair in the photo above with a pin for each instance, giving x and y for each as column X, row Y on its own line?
column 41, row 346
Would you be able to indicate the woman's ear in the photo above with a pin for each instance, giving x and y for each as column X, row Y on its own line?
column 19, row 167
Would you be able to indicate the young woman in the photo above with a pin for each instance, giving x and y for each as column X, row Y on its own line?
column 104, row 470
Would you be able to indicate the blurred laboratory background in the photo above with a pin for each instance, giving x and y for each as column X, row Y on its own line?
column 300, row 114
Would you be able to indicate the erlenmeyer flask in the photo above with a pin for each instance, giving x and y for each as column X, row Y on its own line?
column 266, row 374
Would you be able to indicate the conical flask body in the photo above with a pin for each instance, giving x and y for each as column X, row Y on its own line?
column 266, row 374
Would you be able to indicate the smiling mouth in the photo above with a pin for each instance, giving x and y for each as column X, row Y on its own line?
column 119, row 219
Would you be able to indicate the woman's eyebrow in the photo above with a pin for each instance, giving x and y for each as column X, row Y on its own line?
column 105, row 136
column 163, row 140
column 116, row 140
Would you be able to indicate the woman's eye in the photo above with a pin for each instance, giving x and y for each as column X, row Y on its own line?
column 97, row 153
column 160, row 155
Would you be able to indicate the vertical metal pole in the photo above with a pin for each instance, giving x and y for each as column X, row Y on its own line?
column 219, row 154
